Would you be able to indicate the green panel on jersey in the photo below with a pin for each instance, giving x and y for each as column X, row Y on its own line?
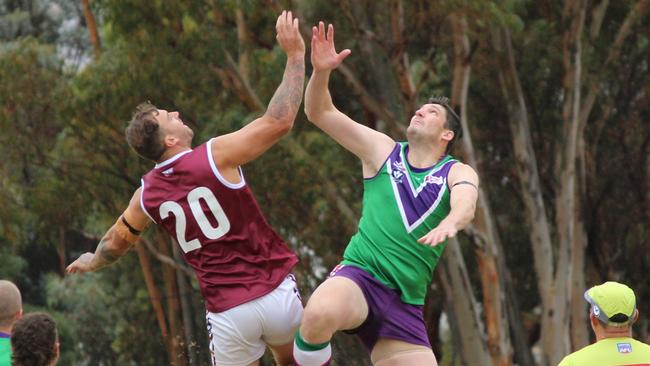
column 5, row 352
column 383, row 245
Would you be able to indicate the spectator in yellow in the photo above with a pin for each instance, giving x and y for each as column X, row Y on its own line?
column 612, row 312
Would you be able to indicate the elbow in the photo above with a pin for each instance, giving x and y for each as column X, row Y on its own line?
column 285, row 125
column 311, row 113
column 471, row 215
column 314, row 113
column 282, row 126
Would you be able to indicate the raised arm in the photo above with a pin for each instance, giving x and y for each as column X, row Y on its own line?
column 117, row 240
column 463, row 183
column 246, row 144
column 371, row 146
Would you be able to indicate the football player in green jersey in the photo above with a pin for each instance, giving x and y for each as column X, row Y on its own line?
column 416, row 196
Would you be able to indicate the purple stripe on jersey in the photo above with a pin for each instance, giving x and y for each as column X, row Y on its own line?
column 4, row 335
column 416, row 203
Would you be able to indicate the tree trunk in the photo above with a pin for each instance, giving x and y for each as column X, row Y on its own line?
column 91, row 24
column 154, row 294
column 173, row 306
column 529, row 179
column 492, row 271
column 463, row 310
column 186, row 306
column 60, row 251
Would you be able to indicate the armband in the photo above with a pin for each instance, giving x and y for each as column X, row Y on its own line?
column 464, row 182
column 126, row 231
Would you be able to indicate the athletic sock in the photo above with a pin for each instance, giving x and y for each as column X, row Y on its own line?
column 307, row 354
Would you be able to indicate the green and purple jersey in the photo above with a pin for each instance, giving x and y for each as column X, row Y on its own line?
column 400, row 205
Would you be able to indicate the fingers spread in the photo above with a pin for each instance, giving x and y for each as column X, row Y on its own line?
column 279, row 21
column 330, row 33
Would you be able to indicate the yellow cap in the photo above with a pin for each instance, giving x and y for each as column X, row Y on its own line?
column 612, row 302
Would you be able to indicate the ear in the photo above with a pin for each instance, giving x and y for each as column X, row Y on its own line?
column 57, row 352
column 635, row 316
column 448, row 135
column 593, row 320
column 19, row 314
column 170, row 141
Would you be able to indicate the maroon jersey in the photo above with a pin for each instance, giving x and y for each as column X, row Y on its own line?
column 235, row 253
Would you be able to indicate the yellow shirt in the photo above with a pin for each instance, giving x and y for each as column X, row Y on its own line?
column 622, row 351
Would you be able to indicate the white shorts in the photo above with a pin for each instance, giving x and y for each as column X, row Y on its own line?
column 238, row 336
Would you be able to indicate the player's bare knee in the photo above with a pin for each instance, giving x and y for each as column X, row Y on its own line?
column 317, row 322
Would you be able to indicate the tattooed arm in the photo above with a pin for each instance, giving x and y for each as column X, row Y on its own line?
column 239, row 147
column 117, row 240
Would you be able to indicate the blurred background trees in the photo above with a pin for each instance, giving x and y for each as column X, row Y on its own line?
column 555, row 103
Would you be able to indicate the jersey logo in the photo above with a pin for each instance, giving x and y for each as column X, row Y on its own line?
column 624, row 347
column 430, row 179
column 398, row 171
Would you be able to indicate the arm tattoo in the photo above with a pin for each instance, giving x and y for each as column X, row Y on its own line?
column 104, row 255
column 288, row 96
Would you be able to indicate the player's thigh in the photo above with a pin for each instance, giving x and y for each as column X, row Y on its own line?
column 338, row 303
column 283, row 354
column 391, row 352
column 281, row 311
column 235, row 336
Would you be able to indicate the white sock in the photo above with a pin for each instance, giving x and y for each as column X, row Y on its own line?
column 307, row 354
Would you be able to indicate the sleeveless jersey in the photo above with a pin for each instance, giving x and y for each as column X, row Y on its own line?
column 400, row 205
column 236, row 255
column 5, row 350
column 622, row 351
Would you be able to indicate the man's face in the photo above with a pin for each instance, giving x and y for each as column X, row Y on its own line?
column 428, row 122
column 173, row 126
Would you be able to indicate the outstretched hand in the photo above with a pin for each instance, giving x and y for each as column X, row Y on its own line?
column 81, row 265
column 438, row 235
column 288, row 35
column 323, row 52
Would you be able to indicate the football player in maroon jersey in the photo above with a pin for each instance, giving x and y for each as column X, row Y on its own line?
column 200, row 197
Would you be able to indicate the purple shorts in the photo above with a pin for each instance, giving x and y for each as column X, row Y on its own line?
column 388, row 316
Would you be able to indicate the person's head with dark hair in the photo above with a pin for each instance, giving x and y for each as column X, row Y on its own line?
column 35, row 341
column 435, row 121
column 156, row 133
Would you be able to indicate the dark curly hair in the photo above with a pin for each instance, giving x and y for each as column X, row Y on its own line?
column 452, row 121
column 143, row 133
column 33, row 340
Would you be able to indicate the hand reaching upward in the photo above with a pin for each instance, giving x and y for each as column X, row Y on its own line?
column 288, row 35
column 323, row 52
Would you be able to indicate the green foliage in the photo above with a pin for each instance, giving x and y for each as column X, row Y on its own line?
column 67, row 170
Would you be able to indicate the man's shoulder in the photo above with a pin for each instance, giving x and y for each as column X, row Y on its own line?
column 603, row 349
column 578, row 357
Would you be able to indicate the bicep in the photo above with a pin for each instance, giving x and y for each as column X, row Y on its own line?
column 134, row 214
column 246, row 144
column 463, row 183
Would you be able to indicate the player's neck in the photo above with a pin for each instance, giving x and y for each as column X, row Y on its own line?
column 424, row 156
column 613, row 333
column 171, row 152
column 5, row 330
